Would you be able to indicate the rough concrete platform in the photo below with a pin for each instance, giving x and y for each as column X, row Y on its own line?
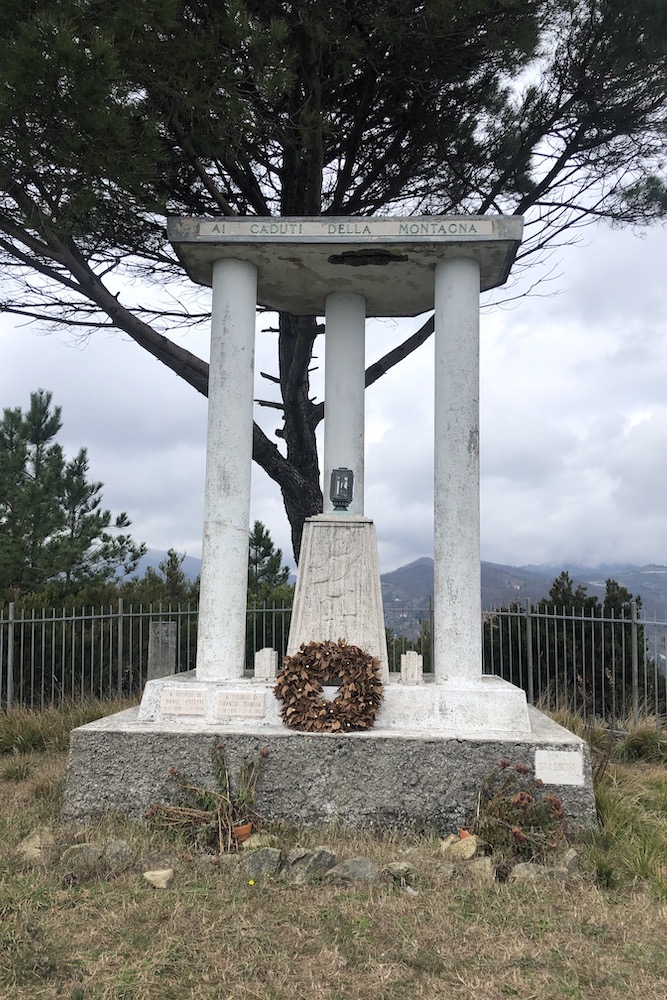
column 379, row 779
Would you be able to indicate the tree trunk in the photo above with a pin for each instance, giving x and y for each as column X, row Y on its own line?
column 301, row 488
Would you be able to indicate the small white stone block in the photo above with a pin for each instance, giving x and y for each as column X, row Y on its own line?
column 266, row 663
column 412, row 668
column 491, row 705
column 559, row 767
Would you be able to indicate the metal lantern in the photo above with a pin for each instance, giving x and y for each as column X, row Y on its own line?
column 340, row 491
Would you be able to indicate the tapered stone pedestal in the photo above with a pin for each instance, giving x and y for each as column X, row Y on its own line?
column 338, row 594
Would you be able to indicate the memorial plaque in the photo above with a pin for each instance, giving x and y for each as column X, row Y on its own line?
column 434, row 227
column 174, row 702
column 559, row 767
column 241, row 704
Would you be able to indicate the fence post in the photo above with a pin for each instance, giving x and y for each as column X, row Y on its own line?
column 10, row 656
column 119, row 650
column 529, row 653
column 430, row 633
column 635, row 663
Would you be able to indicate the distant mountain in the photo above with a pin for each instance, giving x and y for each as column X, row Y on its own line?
column 411, row 586
column 191, row 566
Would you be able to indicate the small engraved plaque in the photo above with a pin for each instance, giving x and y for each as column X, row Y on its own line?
column 241, row 704
column 559, row 767
column 182, row 703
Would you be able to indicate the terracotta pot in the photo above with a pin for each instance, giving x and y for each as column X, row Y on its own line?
column 242, row 831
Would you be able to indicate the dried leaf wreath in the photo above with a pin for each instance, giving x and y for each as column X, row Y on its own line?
column 299, row 688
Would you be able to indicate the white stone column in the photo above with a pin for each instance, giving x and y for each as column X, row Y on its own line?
column 344, row 387
column 224, row 574
column 457, row 643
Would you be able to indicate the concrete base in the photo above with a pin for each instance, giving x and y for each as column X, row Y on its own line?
column 382, row 779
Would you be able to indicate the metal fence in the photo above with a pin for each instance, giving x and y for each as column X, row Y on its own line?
column 591, row 663
column 54, row 654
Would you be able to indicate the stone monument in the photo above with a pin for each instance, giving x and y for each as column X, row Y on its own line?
column 432, row 743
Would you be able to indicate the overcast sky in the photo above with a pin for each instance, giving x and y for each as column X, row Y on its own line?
column 573, row 419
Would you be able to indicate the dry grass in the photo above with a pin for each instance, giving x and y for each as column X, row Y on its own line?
column 214, row 936
column 24, row 729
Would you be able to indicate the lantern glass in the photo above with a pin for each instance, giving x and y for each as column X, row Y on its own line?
column 340, row 492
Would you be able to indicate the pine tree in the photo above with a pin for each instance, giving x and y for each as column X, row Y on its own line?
column 167, row 584
column 267, row 577
column 53, row 531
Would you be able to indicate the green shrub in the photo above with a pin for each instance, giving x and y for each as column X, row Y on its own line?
column 645, row 743
column 516, row 818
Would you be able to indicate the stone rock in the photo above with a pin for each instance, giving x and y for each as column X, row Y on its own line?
column 463, row 849
column 445, row 869
column 354, row 870
column 558, row 871
column 263, row 863
column 482, row 869
column 571, row 860
column 305, row 865
column 527, row 871
column 33, row 847
column 256, row 840
column 400, row 871
column 158, row 859
column 116, row 853
column 447, row 842
column 82, row 859
column 530, row 872
column 161, row 879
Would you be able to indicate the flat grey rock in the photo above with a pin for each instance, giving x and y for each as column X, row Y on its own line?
column 82, row 858
column 263, row 863
column 354, row 870
column 116, row 853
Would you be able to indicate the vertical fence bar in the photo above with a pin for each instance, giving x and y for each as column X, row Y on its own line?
column 635, row 663
column 430, row 633
column 614, row 711
column 119, row 650
column 33, row 651
column 80, row 630
column 529, row 653
column 10, row 655
column 2, row 652
column 43, row 660
column 21, row 694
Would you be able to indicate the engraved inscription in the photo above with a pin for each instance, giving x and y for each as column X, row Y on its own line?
column 241, row 704
column 182, row 703
column 559, row 767
column 441, row 227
